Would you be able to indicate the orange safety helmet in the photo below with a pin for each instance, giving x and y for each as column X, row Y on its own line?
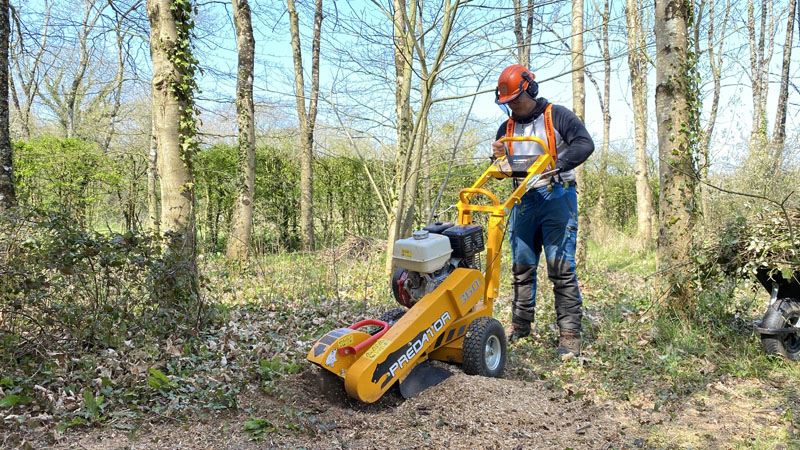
column 514, row 80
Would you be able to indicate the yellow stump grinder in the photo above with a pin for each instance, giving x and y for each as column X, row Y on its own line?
column 449, row 302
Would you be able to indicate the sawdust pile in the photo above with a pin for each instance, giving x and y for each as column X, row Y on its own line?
column 474, row 412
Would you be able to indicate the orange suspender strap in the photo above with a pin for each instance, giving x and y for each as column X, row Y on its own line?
column 510, row 133
column 550, row 131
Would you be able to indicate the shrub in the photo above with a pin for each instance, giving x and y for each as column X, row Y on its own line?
column 62, row 285
column 770, row 240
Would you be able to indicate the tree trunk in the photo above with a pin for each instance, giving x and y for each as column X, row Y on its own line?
column 242, row 220
column 715, row 52
column 637, row 66
column 307, row 121
column 523, row 36
column 70, row 119
column 8, row 196
column 403, row 57
column 153, row 221
column 29, row 79
column 675, row 93
column 421, row 139
column 578, row 106
column 605, row 106
column 779, row 133
column 174, row 130
column 410, row 131
column 760, row 55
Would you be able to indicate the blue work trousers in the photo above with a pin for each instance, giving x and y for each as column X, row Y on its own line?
column 547, row 217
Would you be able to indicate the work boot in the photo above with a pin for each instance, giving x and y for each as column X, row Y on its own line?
column 518, row 330
column 569, row 345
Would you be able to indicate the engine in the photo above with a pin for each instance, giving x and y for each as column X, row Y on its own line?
column 426, row 259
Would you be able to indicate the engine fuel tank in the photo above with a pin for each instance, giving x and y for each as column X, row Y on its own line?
column 424, row 252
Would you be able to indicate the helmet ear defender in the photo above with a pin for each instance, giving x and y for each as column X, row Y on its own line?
column 533, row 87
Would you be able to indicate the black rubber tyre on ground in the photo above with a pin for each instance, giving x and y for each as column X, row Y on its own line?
column 484, row 349
column 783, row 313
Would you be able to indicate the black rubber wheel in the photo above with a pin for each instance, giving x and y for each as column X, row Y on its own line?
column 782, row 314
column 391, row 317
column 484, row 349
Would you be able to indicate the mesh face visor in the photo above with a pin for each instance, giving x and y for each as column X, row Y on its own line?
column 504, row 105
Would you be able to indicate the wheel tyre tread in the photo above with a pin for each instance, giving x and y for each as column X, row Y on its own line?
column 776, row 317
column 478, row 332
column 392, row 316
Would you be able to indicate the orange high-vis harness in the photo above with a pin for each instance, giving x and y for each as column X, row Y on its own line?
column 548, row 129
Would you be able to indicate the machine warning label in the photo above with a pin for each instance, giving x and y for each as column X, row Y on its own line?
column 345, row 341
column 377, row 348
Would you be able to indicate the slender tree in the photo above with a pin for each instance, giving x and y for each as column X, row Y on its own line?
column 779, row 132
column 677, row 109
column 523, row 35
column 716, row 40
column 761, row 33
column 604, row 97
column 8, row 196
column 307, row 119
column 242, row 221
column 153, row 219
column 578, row 107
column 637, row 68
column 409, row 40
column 29, row 67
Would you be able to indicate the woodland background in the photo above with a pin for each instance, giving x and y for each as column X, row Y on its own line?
column 170, row 167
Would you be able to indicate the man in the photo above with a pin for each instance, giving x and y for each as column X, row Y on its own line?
column 548, row 213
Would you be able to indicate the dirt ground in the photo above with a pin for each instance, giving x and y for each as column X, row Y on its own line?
column 463, row 412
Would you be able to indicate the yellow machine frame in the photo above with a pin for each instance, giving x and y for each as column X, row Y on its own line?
column 434, row 328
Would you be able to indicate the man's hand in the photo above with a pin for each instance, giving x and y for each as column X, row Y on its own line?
column 498, row 149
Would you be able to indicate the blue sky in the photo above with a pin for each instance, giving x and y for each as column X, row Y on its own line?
column 274, row 78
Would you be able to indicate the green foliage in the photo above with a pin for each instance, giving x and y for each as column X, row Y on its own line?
column 93, row 406
column 73, row 175
column 215, row 177
column 157, row 380
column 12, row 400
column 270, row 371
column 344, row 201
column 621, row 201
column 744, row 246
column 258, row 429
column 67, row 174
column 183, row 83
column 277, row 199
